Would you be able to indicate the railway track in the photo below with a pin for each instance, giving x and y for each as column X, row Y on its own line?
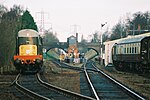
column 35, row 88
column 97, row 84
column 62, row 65
column 103, row 86
column 94, row 84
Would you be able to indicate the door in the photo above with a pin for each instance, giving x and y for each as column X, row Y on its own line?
column 148, row 49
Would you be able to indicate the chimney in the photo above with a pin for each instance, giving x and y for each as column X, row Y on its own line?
column 77, row 37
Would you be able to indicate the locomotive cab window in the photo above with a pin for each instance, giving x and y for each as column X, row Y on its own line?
column 27, row 40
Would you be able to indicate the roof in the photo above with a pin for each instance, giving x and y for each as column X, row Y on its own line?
column 129, row 39
column 133, row 39
column 72, row 37
column 28, row 33
column 112, row 42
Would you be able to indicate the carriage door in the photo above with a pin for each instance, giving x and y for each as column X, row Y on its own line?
column 148, row 49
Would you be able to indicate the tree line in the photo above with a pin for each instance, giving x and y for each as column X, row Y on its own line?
column 137, row 23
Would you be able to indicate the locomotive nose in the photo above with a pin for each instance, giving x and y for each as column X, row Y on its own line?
column 28, row 61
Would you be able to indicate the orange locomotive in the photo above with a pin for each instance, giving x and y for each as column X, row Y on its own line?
column 28, row 50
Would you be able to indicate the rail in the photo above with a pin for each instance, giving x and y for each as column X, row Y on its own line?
column 66, row 92
column 27, row 91
column 89, row 81
column 137, row 96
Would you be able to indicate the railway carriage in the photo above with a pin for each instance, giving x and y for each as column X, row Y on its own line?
column 132, row 53
column 28, row 50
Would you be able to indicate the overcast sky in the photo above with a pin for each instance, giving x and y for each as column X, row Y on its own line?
column 88, row 15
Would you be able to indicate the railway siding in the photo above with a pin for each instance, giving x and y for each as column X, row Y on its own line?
column 105, row 88
column 136, row 82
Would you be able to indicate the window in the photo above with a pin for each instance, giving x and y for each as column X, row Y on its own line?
column 28, row 40
column 125, row 50
column 133, row 50
column 130, row 50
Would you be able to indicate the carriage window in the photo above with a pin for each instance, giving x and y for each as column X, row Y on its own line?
column 125, row 50
column 132, row 49
column 135, row 50
column 148, row 50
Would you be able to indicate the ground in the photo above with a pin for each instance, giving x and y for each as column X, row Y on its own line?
column 64, row 78
column 5, row 88
column 70, row 80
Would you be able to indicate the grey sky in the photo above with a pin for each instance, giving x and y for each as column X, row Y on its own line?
column 87, row 14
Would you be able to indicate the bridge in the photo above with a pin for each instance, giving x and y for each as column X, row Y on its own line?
column 82, row 46
column 95, row 46
column 61, row 45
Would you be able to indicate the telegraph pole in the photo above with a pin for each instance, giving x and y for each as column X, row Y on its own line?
column 75, row 31
column 75, row 28
column 42, row 21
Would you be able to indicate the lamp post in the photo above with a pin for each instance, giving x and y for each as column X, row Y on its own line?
column 101, row 46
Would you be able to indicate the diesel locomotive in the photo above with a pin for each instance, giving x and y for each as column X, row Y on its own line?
column 28, row 50
column 130, row 53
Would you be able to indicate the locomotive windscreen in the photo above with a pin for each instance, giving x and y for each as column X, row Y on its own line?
column 27, row 40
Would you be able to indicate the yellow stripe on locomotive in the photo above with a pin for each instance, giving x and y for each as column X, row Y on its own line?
column 27, row 50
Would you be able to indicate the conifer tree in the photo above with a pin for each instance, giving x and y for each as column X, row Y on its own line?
column 27, row 21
